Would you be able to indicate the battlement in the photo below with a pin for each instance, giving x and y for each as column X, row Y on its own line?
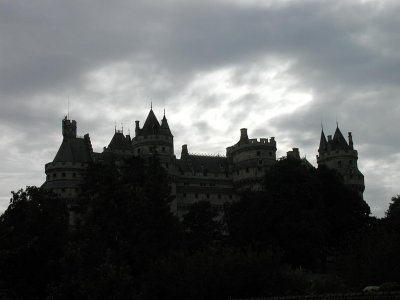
column 206, row 155
column 250, row 143
column 68, row 128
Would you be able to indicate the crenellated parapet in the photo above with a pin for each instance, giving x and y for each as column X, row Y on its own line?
column 249, row 159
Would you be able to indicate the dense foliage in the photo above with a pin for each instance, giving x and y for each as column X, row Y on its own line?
column 304, row 212
column 305, row 233
column 33, row 232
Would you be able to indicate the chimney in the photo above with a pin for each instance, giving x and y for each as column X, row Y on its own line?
column 350, row 140
column 185, row 151
column 137, row 129
column 243, row 134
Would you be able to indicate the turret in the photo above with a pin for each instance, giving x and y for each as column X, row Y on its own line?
column 339, row 155
column 154, row 139
column 68, row 128
column 249, row 159
column 65, row 174
column 243, row 135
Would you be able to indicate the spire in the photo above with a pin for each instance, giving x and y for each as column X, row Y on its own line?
column 165, row 126
column 322, row 143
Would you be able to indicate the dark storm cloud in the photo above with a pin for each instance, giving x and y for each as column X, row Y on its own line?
column 113, row 58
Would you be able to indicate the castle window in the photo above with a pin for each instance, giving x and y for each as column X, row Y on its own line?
column 54, row 175
column 350, row 162
column 163, row 149
column 196, row 195
column 270, row 154
column 258, row 153
column 184, row 195
column 259, row 168
column 247, row 170
column 230, row 196
column 63, row 190
column 138, row 150
column 63, row 174
column 219, row 196
column 74, row 175
column 339, row 163
column 208, row 196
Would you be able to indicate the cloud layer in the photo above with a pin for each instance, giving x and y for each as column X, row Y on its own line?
column 279, row 68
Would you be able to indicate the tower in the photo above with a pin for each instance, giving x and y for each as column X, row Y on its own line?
column 65, row 173
column 335, row 153
column 248, row 159
column 154, row 139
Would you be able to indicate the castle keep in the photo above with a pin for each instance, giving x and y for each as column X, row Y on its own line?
column 217, row 179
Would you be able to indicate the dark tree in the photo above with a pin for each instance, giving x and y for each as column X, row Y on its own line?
column 202, row 229
column 302, row 211
column 126, row 224
column 33, row 233
column 393, row 213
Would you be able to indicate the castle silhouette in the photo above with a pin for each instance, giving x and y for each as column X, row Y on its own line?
column 193, row 177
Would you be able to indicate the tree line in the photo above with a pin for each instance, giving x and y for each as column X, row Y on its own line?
column 304, row 233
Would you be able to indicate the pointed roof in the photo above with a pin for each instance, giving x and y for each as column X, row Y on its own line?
column 119, row 142
column 73, row 150
column 151, row 125
column 165, row 126
column 338, row 140
column 322, row 143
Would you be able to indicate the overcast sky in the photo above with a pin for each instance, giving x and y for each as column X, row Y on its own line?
column 278, row 68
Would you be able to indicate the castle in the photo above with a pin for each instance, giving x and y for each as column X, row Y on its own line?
column 218, row 179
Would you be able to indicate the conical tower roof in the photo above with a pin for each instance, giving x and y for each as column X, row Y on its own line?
column 165, row 127
column 323, row 144
column 73, row 150
column 339, row 142
column 151, row 125
column 118, row 142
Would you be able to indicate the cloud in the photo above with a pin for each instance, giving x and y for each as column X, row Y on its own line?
column 278, row 68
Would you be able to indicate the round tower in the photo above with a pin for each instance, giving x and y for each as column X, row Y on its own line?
column 154, row 139
column 335, row 153
column 249, row 159
column 65, row 173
